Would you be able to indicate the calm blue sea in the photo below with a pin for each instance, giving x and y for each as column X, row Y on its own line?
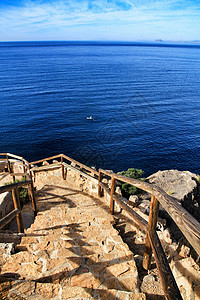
column 145, row 101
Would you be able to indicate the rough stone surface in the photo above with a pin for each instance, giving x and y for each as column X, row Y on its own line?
column 134, row 200
column 179, row 184
column 187, row 276
column 151, row 286
column 73, row 251
column 183, row 185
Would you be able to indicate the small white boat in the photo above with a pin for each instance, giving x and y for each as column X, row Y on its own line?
column 90, row 118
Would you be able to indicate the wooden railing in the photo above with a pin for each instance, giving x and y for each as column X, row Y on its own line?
column 13, row 188
column 15, row 196
column 186, row 223
column 64, row 162
column 20, row 161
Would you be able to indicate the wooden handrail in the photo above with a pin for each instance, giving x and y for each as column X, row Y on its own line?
column 65, row 165
column 15, row 156
column 9, row 217
column 186, row 223
column 10, row 187
column 20, row 160
column 44, row 159
column 168, row 282
column 189, row 226
column 14, row 188
column 81, row 165
column 17, row 205
column 17, row 212
column 153, row 217
column 136, row 217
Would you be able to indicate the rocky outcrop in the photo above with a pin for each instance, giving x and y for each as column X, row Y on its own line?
column 182, row 185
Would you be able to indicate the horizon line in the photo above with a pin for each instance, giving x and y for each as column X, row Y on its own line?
column 156, row 43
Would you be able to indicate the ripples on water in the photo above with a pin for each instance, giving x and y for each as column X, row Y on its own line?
column 144, row 100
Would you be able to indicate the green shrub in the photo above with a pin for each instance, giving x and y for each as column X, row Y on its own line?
column 128, row 189
column 22, row 191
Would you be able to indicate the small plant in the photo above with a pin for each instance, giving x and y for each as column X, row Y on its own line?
column 126, row 188
column 198, row 179
column 22, row 191
column 169, row 192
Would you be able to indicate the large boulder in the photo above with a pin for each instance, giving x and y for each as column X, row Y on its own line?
column 179, row 184
column 183, row 185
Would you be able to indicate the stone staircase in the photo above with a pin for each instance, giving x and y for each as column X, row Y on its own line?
column 71, row 251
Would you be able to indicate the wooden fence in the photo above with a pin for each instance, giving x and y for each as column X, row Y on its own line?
column 7, row 159
column 186, row 223
column 189, row 226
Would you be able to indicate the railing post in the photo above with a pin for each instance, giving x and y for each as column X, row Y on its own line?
column 13, row 176
column 153, row 216
column 63, row 168
column 112, row 202
column 8, row 162
column 24, row 166
column 32, row 197
column 99, row 187
column 32, row 174
column 9, row 168
column 17, row 205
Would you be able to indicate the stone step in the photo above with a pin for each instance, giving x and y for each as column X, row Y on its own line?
column 72, row 251
column 42, row 291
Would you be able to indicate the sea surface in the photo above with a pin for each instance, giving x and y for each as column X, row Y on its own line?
column 144, row 99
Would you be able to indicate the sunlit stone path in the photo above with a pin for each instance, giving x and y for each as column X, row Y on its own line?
column 71, row 251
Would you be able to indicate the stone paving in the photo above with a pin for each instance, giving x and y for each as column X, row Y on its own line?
column 71, row 251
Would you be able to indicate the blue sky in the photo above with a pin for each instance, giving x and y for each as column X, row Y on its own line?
column 115, row 20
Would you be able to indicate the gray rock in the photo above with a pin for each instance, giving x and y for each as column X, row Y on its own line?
column 134, row 200
column 185, row 251
column 118, row 192
column 144, row 206
column 179, row 184
column 166, row 236
column 182, row 185
column 148, row 278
